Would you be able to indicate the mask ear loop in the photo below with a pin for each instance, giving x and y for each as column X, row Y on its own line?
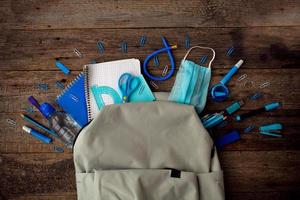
column 199, row 47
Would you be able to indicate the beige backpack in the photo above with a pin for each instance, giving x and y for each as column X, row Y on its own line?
column 147, row 151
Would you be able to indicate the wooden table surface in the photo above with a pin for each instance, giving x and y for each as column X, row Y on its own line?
column 266, row 34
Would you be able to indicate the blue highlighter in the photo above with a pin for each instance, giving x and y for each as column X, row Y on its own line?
column 220, row 91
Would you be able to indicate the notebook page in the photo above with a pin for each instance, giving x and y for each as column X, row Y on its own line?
column 108, row 74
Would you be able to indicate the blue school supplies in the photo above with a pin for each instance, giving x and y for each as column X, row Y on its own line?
column 62, row 67
column 60, row 85
column 127, row 85
column 142, row 93
column 143, row 41
column 267, row 107
column 124, row 46
column 203, row 59
column 230, row 51
column 167, row 49
column 228, row 138
column 35, row 123
column 220, row 92
column 43, row 86
column 234, row 107
column 210, row 121
column 255, row 96
column 98, row 91
column 249, row 128
column 37, row 135
column 270, row 129
column 72, row 100
column 270, row 134
column 187, row 41
column 100, row 46
column 58, row 149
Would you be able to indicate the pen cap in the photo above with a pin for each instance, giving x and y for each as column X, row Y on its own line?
column 34, row 102
column 47, row 109
column 272, row 106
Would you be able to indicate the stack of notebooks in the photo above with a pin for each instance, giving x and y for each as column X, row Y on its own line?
column 78, row 100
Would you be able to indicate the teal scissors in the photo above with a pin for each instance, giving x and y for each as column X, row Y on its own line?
column 127, row 85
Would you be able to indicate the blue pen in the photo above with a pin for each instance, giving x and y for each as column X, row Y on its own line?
column 37, row 135
column 28, row 119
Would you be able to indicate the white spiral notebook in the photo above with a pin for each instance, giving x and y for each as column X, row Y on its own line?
column 106, row 74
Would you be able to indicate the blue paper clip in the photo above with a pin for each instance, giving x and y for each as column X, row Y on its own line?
column 29, row 110
column 143, row 41
column 255, row 96
column 62, row 67
column 203, row 59
column 100, row 46
column 156, row 61
column 58, row 149
column 249, row 129
column 187, row 41
column 43, row 86
column 230, row 51
column 59, row 84
column 124, row 47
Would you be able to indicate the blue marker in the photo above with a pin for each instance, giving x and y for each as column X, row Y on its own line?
column 37, row 135
column 267, row 107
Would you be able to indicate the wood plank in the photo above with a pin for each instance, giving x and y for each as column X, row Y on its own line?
column 245, row 172
column 56, row 14
column 261, row 47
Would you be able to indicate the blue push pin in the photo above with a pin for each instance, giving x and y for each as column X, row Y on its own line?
column 220, row 91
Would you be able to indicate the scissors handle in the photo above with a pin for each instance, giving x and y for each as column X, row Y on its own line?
column 128, row 84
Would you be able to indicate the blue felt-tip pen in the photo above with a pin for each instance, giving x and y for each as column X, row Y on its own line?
column 37, row 134
column 267, row 107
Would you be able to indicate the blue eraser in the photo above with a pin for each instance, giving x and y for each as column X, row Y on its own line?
column 238, row 118
column 228, row 138
column 62, row 67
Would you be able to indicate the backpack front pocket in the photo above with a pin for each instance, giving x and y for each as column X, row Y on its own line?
column 146, row 184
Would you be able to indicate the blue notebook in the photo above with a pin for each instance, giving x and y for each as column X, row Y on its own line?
column 72, row 100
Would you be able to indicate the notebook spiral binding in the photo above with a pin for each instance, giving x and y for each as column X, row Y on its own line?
column 68, row 86
column 87, row 91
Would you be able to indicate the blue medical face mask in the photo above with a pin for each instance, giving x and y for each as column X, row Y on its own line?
column 192, row 81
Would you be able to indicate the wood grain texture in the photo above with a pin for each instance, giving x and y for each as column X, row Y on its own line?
column 55, row 14
column 264, row 33
column 261, row 47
